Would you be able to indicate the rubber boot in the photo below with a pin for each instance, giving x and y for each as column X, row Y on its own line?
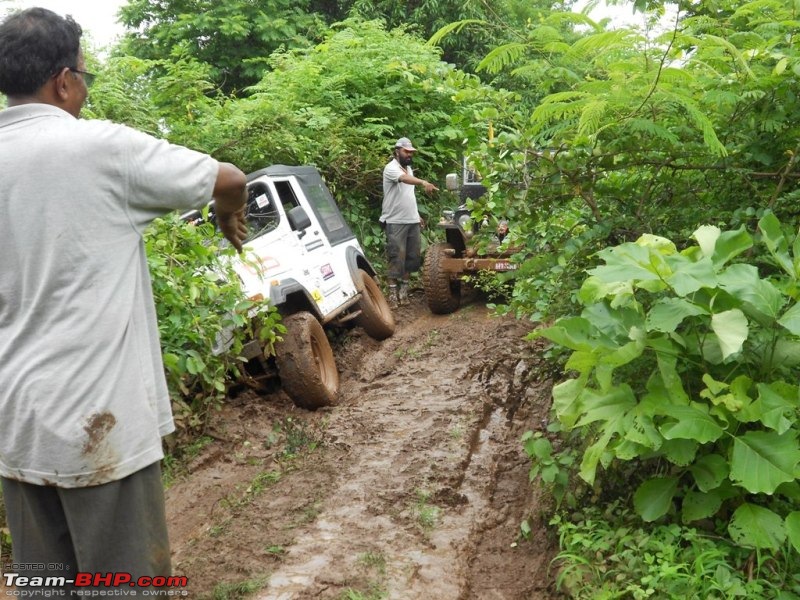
column 402, row 293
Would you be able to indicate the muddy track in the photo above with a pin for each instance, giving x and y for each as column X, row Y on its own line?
column 414, row 487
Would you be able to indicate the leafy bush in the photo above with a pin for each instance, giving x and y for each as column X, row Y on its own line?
column 199, row 303
column 683, row 361
column 604, row 555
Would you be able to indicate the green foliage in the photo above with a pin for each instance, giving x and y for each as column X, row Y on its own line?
column 199, row 304
column 683, row 361
column 553, row 468
column 342, row 104
column 605, row 554
column 650, row 130
column 234, row 38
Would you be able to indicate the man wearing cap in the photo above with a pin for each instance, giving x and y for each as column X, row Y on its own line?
column 402, row 220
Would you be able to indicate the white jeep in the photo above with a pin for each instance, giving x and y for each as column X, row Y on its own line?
column 302, row 257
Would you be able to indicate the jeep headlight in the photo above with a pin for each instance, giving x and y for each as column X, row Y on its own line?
column 465, row 223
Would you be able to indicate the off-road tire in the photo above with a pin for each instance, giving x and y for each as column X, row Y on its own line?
column 305, row 363
column 442, row 293
column 376, row 316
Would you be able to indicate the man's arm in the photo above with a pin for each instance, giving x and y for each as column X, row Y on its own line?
column 411, row 180
column 230, row 199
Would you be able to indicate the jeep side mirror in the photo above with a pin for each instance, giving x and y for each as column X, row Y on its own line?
column 451, row 182
column 193, row 217
column 299, row 220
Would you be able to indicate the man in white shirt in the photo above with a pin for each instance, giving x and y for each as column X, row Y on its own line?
column 83, row 396
column 402, row 220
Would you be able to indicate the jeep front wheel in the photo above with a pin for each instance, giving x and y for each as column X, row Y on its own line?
column 305, row 363
column 442, row 292
column 376, row 316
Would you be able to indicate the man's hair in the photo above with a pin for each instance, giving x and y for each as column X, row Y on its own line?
column 34, row 45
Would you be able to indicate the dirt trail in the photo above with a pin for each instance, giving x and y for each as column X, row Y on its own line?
column 414, row 487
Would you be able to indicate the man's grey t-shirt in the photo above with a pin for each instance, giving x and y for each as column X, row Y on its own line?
column 83, row 398
column 399, row 200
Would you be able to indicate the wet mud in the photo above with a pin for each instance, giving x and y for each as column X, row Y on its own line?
column 413, row 487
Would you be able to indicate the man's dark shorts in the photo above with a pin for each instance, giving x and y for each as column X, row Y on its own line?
column 403, row 242
column 115, row 527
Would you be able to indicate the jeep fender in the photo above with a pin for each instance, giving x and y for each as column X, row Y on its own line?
column 355, row 261
column 289, row 297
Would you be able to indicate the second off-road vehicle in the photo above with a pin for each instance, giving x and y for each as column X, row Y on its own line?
column 446, row 263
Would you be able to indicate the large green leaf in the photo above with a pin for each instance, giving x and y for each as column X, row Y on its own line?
column 754, row 526
column 775, row 407
column 688, row 276
column 614, row 323
column 680, row 452
column 658, row 243
column 762, row 460
column 610, row 405
column 582, row 361
column 707, row 236
column 596, row 451
column 626, row 262
column 573, row 333
column 653, row 499
column 793, row 529
column 642, row 431
column 668, row 313
column 691, row 423
column 776, row 242
column 732, row 329
column 710, row 471
column 699, row 505
column 786, row 353
column 744, row 283
column 731, row 244
column 667, row 353
column 791, row 319
column 595, row 289
column 567, row 400
column 609, row 362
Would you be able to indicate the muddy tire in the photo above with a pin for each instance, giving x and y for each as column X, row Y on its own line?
column 442, row 293
column 305, row 363
column 376, row 316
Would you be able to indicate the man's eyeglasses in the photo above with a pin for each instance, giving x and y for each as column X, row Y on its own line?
column 88, row 78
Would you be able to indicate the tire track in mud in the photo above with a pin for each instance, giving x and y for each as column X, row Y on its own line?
column 418, row 484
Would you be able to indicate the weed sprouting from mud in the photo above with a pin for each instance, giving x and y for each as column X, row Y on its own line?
column 175, row 464
column 431, row 340
column 373, row 560
column 236, row 591
column 371, row 594
column 426, row 514
column 299, row 436
column 374, row 566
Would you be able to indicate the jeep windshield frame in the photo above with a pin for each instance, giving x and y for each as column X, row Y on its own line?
column 319, row 199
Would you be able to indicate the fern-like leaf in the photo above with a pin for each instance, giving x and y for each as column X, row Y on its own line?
column 699, row 119
column 452, row 27
column 501, row 57
column 591, row 117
